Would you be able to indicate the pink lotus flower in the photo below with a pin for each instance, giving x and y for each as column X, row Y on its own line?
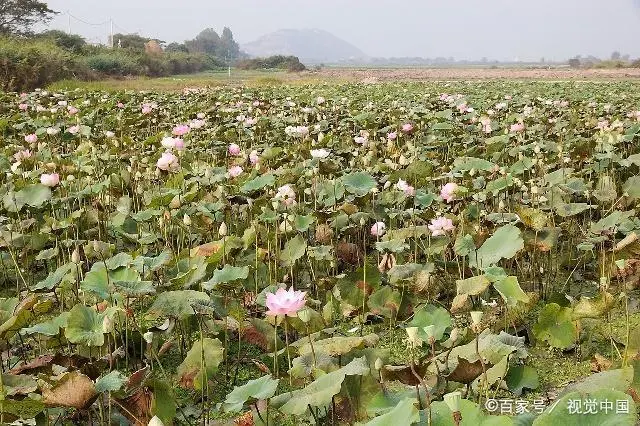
column 378, row 229
column 179, row 144
column 486, row 124
column 201, row 116
column 462, row 108
column 516, row 128
column 234, row 149
column 32, row 138
column 392, row 136
column 603, row 124
column 146, row 109
column 406, row 188
column 50, row 180
column 23, row 107
column 22, row 155
column 248, row 122
column 72, row 110
column 320, row 153
column 197, row 124
column 360, row 140
column 120, row 105
column 235, row 171
column 254, row 158
column 440, row 226
column 181, row 130
column 634, row 114
column 168, row 142
column 287, row 195
column 297, row 131
column 73, row 130
column 407, row 128
column 52, row 131
column 168, row 162
column 448, row 191
column 285, row 302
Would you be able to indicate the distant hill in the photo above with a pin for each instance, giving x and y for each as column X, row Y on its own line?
column 311, row 46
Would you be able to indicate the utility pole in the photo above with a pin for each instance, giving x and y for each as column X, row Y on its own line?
column 68, row 22
column 111, row 32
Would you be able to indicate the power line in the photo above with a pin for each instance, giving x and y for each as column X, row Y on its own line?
column 109, row 23
column 85, row 22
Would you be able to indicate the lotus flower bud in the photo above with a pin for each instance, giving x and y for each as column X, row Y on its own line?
column 412, row 333
column 107, row 324
column 476, row 318
column 75, row 256
column 148, row 336
column 175, row 203
column 454, row 335
column 155, row 421
column 378, row 364
column 222, row 231
column 186, row 220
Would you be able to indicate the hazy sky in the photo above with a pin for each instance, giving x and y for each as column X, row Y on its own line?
column 464, row 29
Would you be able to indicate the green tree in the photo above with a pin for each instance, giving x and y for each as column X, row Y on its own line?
column 208, row 41
column 17, row 17
column 176, row 47
column 132, row 41
column 71, row 42
column 228, row 46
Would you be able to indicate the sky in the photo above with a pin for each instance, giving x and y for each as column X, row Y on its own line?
column 463, row 29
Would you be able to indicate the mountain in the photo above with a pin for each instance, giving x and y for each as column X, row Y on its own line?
column 311, row 46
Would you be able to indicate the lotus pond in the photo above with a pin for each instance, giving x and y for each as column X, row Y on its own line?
column 372, row 254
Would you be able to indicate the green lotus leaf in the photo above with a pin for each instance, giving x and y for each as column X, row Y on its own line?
column 262, row 388
column 555, row 326
column 84, row 326
column 201, row 363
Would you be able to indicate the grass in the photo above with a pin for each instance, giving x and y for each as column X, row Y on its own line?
column 180, row 82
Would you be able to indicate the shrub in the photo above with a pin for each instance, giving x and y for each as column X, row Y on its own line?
column 29, row 64
column 71, row 42
column 289, row 63
column 114, row 63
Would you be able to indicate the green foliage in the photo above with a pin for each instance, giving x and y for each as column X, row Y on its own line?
column 289, row 63
column 28, row 65
column 19, row 17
